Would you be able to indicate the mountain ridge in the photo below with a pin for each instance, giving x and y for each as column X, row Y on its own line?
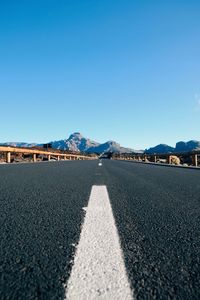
column 77, row 143
column 180, row 147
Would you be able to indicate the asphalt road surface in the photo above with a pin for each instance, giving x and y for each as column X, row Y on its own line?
column 157, row 216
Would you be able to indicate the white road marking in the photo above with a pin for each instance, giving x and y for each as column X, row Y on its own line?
column 100, row 163
column 98, row 270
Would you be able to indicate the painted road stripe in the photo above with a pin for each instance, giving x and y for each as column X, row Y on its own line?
column 100, row 163
column 98, row 270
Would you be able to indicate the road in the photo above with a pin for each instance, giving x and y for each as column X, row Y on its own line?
column 156, row 211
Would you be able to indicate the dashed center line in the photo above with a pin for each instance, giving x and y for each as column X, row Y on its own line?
column 98, row 271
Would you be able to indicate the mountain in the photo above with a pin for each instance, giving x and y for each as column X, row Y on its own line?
column 109, row 146
column 180, row 147
column 19, row 144
column 187, row 146
column 76, row 142
column 161, row 148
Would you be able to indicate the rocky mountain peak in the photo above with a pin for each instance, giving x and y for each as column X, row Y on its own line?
column 75, row 135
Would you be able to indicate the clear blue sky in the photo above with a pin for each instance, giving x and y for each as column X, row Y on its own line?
column 121, row 70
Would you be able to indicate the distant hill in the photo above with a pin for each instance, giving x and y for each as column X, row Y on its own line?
column 19, row 144
column 161, row 148
column 187, row 146
column 180, row 147
column 109, row 146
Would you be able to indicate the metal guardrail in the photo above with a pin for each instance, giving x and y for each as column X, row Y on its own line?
column 170, row 157
column 9, row 150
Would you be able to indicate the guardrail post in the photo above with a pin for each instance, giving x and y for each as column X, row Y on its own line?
column 34, row 157
column 65, row 157
column 195, row 160
column 8, row 156
column 155, row 158
column 169, row 160
column 49, row 157
column 58, row 157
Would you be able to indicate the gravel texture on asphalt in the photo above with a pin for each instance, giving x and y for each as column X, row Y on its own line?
column 156, row 210
column 41, row 216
